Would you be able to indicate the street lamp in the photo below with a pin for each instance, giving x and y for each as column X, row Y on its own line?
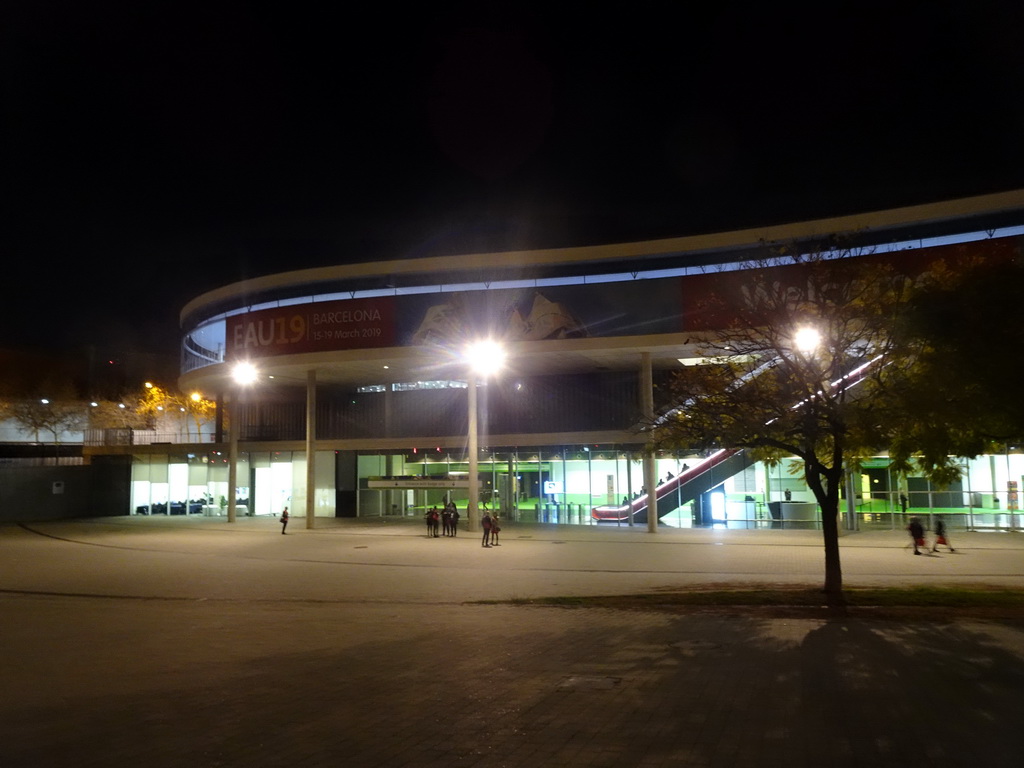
column 243, row 373
column 482, row 358
column 806, row 339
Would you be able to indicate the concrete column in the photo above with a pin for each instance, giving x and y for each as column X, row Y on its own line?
column 650, row 469
column 629, row 484
column 218, row 421
column 510, row 500
column 851, row 500
column 310, row 448
column 472, row 510
column 234, row 427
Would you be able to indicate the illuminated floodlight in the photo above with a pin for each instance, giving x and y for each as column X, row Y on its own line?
column 244, row 373
column 806, row 339
column 196, row 397
column 485, row 356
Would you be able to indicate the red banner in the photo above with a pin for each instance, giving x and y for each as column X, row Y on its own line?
column 334, row 325
column 714, row 301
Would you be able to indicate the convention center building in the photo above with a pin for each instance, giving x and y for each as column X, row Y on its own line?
column 362, row 398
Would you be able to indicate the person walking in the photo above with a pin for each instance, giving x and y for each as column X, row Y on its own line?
column 917, row 534
column 494, row 530
column 428, row 518
column 284, row 519
column 485, row 523
column 903, row 502
column 940, row 536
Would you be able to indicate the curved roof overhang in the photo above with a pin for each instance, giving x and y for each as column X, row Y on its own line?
column 973, row 214
column 391, row 365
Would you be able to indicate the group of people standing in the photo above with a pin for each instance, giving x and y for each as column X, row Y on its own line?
column 446, row 519
column 916, row 530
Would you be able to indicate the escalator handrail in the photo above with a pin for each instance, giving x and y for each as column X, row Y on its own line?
column 640, row 502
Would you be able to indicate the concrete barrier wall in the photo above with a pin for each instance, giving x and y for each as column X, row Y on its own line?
column 64, row 493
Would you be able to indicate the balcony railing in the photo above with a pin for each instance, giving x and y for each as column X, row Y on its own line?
column 114, row 437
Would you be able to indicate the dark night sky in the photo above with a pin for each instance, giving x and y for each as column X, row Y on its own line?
column 155, row 150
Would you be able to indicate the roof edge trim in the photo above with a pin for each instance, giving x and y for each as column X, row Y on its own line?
column 962, row 208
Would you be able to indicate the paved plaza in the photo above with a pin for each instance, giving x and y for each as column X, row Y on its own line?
column 198, row 642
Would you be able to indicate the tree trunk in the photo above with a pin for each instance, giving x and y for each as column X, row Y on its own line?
column 833, row 568
column 827, row 495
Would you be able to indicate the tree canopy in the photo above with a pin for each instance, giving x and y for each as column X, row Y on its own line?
column 151, row 407
column 831, row 356
column 960, row 399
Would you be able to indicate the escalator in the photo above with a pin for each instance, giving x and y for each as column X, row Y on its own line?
column 682, row 489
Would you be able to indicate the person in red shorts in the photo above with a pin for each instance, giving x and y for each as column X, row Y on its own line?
column 917, row 534
column 941, row 537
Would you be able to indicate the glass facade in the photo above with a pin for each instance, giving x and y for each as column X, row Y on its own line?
column 197, row 483
column 563, row 485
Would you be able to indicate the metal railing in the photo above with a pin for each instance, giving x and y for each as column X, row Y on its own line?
column 116, row 437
